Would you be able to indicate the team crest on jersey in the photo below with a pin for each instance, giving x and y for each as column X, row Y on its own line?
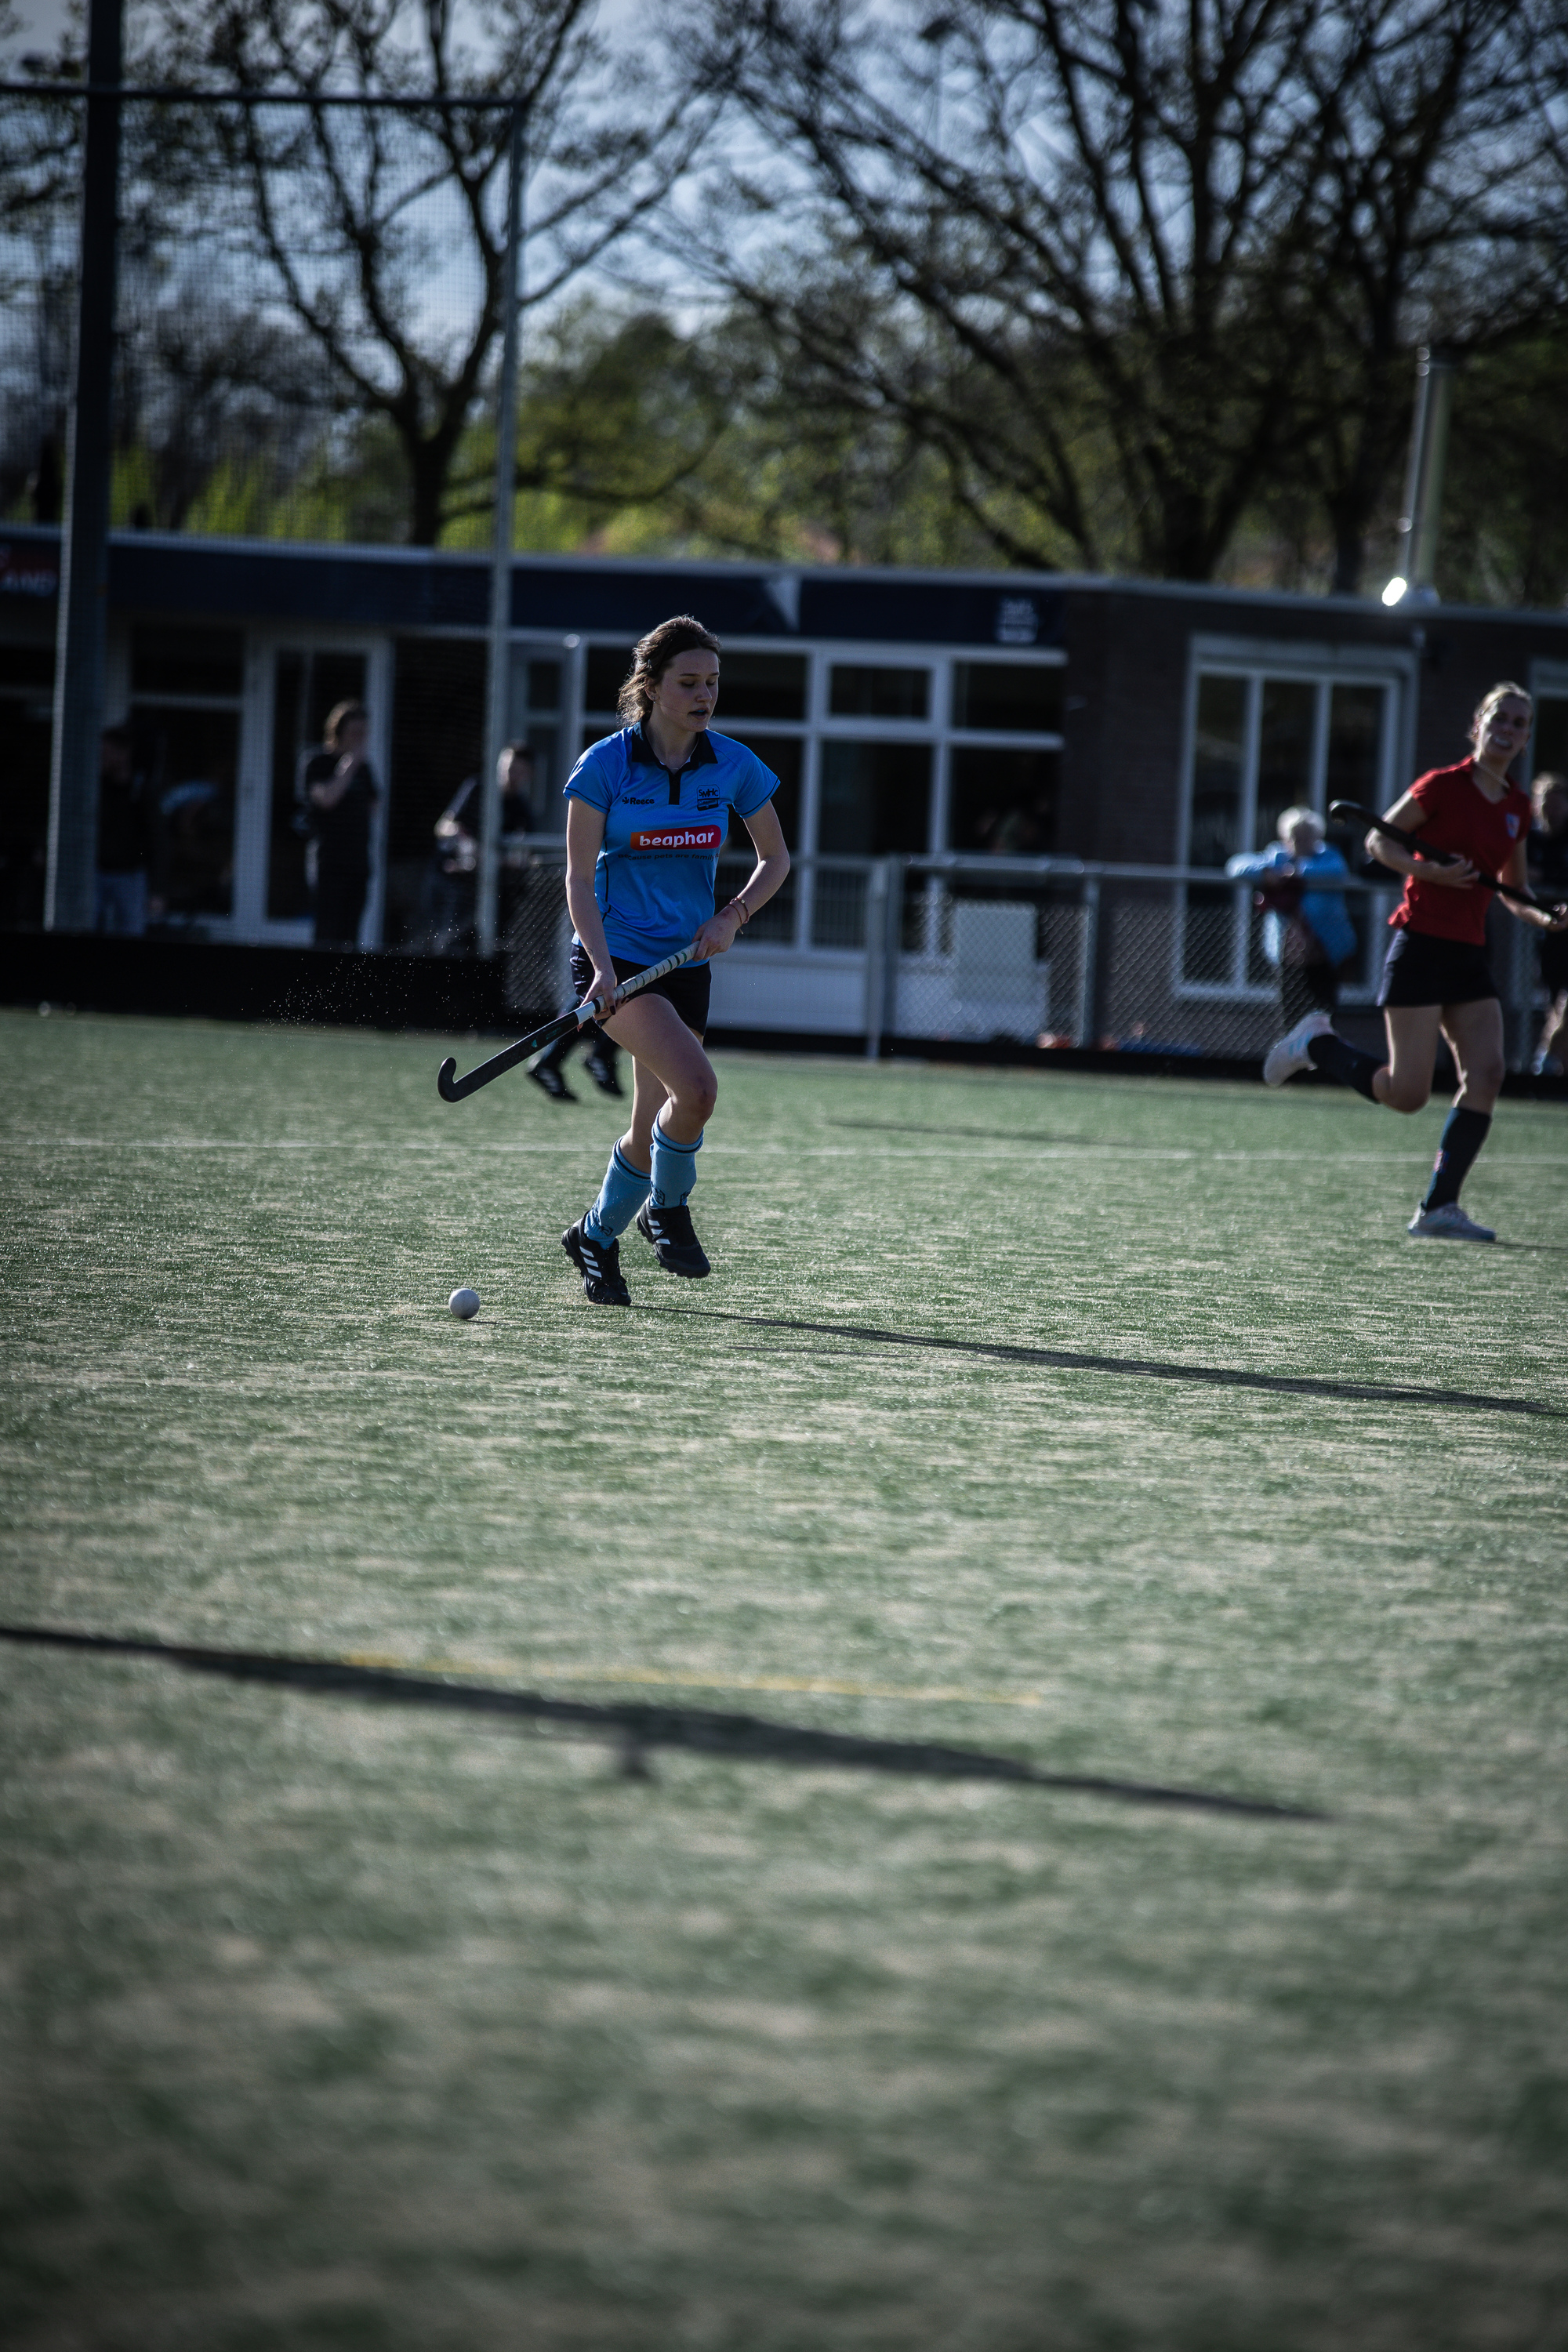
column 1511, row 821
column 686, row 840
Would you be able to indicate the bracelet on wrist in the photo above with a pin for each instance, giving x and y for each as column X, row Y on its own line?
column 739, row 908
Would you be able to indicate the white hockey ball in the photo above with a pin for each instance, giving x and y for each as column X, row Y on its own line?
column 464, row 1304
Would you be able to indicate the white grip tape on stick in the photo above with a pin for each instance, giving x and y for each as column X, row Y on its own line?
column 589, row 1008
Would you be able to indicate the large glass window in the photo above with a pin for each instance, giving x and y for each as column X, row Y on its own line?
column 1355, row 744
column 604, row 674
column 185, row 687
column 1266, row 739
column 876, row 799
column 1284, row 753
column 26, row 685
column 783, row 755
column 1003, row 800
column 867, row 690
column 1219, row 757
column 760, row 686
column 1550, row 756
column 192, row 759
column 1007, row 697
column 875, row 802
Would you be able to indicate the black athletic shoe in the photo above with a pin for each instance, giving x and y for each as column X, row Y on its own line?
column 670, row 1233
column 600, row 1268
column 601, row 1069
column 546, row 1075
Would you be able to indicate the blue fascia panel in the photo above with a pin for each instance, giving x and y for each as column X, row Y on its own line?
column 931, row 613
column 254, row 584
column 626, row 603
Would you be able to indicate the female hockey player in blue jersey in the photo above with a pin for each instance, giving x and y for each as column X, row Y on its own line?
column 648, row 811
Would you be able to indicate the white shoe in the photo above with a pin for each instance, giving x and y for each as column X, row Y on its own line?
column 1288, row 1055
column 1449, row 1223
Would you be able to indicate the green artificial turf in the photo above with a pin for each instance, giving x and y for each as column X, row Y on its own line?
column 330, row 2025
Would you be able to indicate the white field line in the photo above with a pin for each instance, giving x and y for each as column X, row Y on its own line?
column 749, row 1150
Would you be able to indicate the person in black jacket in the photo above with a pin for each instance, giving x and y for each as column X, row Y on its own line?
column 340, row 793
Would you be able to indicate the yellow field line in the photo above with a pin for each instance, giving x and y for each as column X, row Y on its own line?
column 655, row 1679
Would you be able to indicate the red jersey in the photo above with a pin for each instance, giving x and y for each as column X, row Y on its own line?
column 1458, row 817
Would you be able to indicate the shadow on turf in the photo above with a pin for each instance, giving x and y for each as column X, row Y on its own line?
column 636, row 1729
column 1139, row 1368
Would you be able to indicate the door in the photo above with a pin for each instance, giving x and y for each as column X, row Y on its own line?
column 297, row 682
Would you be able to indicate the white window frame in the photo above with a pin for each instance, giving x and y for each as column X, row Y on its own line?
column 1395, row 669
column 820, row 725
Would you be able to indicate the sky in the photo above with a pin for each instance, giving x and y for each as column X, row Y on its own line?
column 42, row 23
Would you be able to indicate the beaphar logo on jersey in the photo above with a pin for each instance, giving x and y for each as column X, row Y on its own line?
column 683, row 840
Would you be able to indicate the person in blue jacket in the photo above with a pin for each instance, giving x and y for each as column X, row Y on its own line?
column 1306, row 933
column 647, row 811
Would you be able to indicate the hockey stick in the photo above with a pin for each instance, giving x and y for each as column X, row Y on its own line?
column 451, row 1089
column 1344, row 812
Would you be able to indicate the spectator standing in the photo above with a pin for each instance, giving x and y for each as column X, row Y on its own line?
column 1549, row 876
column 1308, row 935
column 451, row 900
column 339, row 793
column 124, row 837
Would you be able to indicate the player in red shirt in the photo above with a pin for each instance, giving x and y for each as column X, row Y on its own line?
column 1436, row 975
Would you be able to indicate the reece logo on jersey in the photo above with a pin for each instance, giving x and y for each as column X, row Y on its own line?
column 682, row 840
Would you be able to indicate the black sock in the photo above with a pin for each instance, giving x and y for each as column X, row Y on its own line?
column 1464, row 1133
column 1343, row 1062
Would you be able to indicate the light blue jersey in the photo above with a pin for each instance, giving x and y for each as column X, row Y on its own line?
column 654, row 879
column 1323, row 911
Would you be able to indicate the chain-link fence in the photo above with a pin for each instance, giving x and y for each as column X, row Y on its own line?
column 1028, row 951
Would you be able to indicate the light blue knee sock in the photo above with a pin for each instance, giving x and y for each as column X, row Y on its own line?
column 621, row 1195
column 674, row 1168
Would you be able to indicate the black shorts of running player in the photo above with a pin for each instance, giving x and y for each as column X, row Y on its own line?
column 687, row 989
column 1421, row 970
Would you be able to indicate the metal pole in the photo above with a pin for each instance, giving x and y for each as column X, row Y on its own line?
column 1418, row 557
column 875, row 954
column 69, row 889
column 1088, row 963
column 498, row 719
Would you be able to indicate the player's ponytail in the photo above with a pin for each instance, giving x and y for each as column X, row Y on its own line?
column 652, row 657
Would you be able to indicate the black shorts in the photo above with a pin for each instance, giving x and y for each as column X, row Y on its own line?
column 688, row 989
column 1421, row 970
column 1554, row 961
